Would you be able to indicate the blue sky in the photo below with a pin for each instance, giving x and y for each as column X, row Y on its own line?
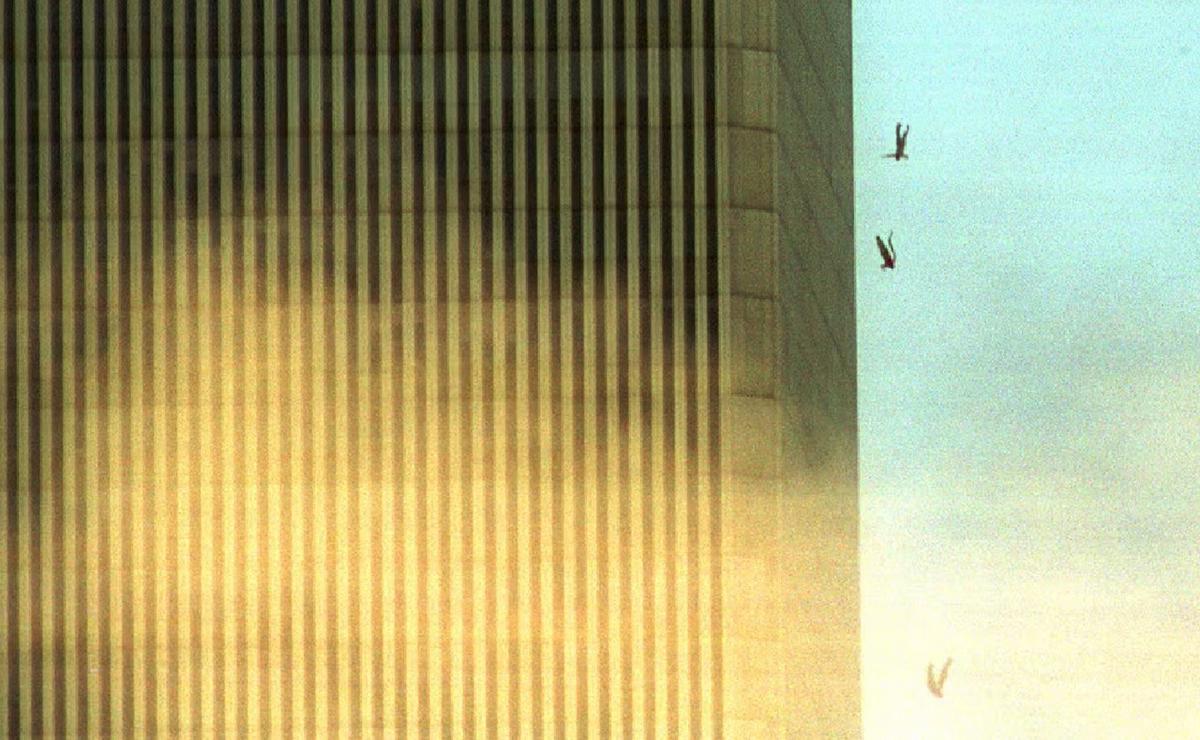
column 1029, row 375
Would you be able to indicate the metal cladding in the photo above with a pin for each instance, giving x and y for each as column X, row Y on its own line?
column 361, row 368
column 474, row 367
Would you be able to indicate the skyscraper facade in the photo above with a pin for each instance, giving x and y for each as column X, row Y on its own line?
column 474, row 367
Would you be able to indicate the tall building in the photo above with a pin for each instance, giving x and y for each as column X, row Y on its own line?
column 478, row 367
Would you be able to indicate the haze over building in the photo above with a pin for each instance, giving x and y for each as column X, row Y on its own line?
column 428, row 367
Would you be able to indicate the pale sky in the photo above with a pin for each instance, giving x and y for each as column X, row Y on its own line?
column 1029, row 375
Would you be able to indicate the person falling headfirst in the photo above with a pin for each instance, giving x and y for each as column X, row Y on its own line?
column 935, row 687
column 887, row 251
column 901, row 142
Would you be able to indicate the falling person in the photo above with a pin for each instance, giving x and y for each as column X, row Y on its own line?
column 901, row 142
column 887, row 251
column 935, row 687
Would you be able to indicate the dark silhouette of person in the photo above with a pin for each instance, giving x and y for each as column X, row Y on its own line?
column 887, row 251
column 901, row 142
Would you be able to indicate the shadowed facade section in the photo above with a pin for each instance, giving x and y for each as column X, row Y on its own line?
column 789, row 498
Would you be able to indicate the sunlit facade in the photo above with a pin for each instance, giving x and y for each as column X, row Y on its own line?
column 427, row 368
